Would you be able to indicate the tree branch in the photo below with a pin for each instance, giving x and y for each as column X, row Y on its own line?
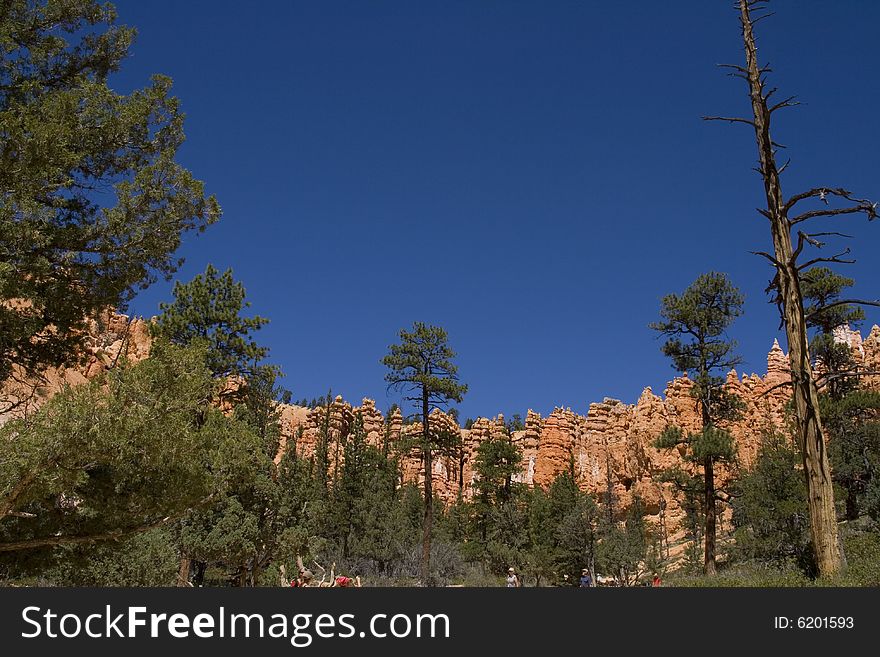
column 835, row 258
column 776, row 387
column 788, row 102
column 769, row 257
column 822, row 194
column 842, row 302
column 113, row 535
column 867, row 207
column 11, row 498
column 810, row 238
column 731, row 119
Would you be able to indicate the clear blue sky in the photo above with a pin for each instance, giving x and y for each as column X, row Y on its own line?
column 532, row 176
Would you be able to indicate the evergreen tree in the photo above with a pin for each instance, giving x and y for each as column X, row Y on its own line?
column 562, row 531
column 209, row 309
column 258, row 512
column 770, row 509
column 489, row 541
column 696, row 323
column 791, row 235
column 422, row 365
column 623, row 550
column 496, row 463
column 821, row 289
column 383, row 532
column 576, row 537
column 853, row 424
column 110, row 458
column 144, row 559
column 242, row 527
column 851, row 412
column 515, row 423
column 93, row 204
column 541, row 558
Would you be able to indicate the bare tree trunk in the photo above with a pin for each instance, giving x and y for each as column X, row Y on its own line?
column 428, row 521
column 852, row 503
column 709, row 478
column 820, row 493
column 199, row 577
column 241, row 576
column 709, row 508
column 609, row 485
column 183, row 571
column 664, row 532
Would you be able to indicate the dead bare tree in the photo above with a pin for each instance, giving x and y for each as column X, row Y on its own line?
column 785, row 220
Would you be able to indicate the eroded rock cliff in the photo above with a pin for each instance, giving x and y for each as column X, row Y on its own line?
column 610, row 447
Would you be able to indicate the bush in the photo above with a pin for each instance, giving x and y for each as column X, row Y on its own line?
column 751, row 574
column 862, row 552
column 147, row 559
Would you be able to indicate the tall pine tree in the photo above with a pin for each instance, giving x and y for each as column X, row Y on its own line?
column 695, row 323
column 421, row 364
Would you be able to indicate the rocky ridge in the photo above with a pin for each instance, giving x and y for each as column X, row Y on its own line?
column 611, row 445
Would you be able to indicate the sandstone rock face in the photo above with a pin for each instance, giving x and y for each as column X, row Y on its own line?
column 112, row 338
column 610, row 447
column 612, row 444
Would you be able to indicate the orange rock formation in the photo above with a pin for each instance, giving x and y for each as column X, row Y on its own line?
column 612, row 443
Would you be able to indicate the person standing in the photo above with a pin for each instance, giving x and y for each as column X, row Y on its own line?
column 512, row 578
column 586, row 581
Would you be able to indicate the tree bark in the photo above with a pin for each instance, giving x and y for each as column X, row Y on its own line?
column 709, row 508
column 709, row 477
column 183, row 571
column 852, row 503
column 199, row 577
column 428, row 521
column 241, row 577
column 817, row 471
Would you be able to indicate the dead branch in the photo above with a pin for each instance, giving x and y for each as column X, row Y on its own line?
column 772, row 388
column 835, row 258
column 788, row 102
column 869, row 208
column 769, row 257
column 822, row 194
column 731, row 119
column 842, row 302
column 856, row 372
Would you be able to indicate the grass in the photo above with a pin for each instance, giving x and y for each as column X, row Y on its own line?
column 862, row 550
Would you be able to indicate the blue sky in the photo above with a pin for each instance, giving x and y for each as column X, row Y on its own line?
column 532, row 176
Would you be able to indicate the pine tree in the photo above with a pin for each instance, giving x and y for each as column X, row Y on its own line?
column 770, row 508
column 785, row 217
column 68, row 251
column 111, row 458
column 208, row 309
column 851, row 412
column 696, row 323
column 623, row 550
column 422, row 365
column 241, row 528
column 497, row 461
